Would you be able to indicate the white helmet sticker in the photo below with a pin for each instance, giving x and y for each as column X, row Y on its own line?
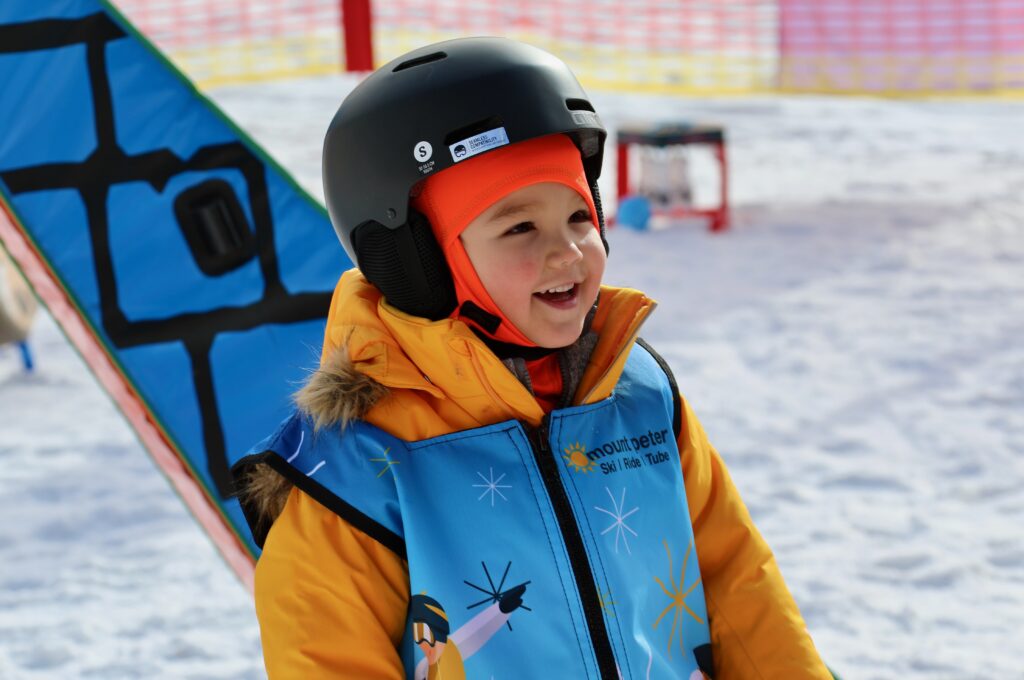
column 484, row 141
column 422, row 151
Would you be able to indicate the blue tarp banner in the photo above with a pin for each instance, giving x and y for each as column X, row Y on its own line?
column 204, row 272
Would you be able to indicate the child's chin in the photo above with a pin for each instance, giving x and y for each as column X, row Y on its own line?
column 560, row 337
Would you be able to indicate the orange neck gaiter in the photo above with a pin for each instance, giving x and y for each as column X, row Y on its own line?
column 546, row 378
column 454, row 197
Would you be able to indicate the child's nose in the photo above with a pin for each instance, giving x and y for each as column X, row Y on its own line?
column 565, row 252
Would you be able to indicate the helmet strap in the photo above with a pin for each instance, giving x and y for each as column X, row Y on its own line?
column 510, row 350
column 480, row 316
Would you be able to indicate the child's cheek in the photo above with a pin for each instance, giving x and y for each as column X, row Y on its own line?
column 514, row 262
column 525, row 272
column 510, row 272
column 593, row 237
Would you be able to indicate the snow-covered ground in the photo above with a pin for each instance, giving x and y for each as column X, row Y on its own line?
column 854, row 346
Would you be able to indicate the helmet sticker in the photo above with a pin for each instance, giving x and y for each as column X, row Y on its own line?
column 423, row 151
column 484, row 141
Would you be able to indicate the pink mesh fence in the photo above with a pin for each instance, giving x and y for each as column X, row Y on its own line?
column 894, row 46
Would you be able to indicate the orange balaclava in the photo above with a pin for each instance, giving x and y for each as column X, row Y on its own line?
column 454, row 197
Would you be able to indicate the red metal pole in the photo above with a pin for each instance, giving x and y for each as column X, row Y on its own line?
column 623, row 175
column 721, row 221
column 357, row 26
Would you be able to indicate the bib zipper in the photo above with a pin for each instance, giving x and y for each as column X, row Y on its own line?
column 573, row 539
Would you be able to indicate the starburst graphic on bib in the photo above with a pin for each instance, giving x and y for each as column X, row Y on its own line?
column 387, row 462
column 619, row 515
column 492, row 486
column 576, row 457
column 678, row 597
column 606, row 602
column 495, row 593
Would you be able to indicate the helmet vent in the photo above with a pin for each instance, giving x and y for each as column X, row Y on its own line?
column 579, row 105
column 425, row 59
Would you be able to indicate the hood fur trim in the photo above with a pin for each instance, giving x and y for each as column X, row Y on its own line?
column 263, row 492
column 338, row 393
column 335, row 395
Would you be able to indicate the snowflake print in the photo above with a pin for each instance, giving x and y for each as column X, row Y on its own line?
column 492, row 486
column 619, row 515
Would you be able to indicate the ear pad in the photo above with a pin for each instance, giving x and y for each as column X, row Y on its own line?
column 406, row 264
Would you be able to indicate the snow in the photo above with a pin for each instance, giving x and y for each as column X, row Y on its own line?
column 852, row 346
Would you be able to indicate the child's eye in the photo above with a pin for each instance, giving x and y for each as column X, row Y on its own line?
column 580, row 216
column 520, row 228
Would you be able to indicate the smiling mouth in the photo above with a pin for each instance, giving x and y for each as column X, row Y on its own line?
column 560, row 295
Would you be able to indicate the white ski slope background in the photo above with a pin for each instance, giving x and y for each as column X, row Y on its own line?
column 854, row 346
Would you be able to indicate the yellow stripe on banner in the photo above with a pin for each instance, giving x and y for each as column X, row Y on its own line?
column 905, row 75
column 608, row 67
column 260, row 60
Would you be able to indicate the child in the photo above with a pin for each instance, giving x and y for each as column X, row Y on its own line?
column 491, row 475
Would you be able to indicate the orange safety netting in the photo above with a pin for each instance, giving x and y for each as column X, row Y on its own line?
column 671, row 46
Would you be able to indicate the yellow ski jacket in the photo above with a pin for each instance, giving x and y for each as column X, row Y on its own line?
column 332, row 602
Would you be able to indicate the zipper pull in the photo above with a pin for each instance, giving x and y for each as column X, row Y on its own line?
column 538, row 436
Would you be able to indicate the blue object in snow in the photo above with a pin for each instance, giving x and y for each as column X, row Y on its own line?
column 26, row 356
column 634, row 212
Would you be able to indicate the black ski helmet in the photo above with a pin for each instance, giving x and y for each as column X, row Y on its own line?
column 418, row 115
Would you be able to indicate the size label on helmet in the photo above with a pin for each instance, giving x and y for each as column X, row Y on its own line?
column 484, row 141
column 423, row 151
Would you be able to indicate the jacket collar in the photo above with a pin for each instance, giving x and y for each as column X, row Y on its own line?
column 446, row 361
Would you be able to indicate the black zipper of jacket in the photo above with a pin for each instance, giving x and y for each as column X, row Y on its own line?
column 578, row 559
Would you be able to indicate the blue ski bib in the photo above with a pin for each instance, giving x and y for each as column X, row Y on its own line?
column 563, row 550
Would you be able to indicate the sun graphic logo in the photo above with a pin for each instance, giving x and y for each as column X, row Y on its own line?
column 576, row 457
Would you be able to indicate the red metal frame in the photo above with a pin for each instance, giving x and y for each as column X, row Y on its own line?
column 718, row 216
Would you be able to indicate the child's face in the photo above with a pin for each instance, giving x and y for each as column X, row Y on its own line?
column 535, row 240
